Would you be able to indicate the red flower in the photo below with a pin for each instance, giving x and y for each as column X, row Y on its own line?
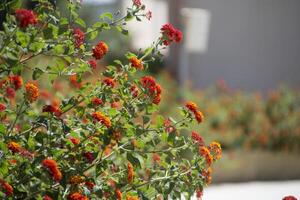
column 8, row 189
column 199, row 194
column 96, row 101
column 130, row 173
column 137, row 3
column 89, row 156
column 155, row 158
column 100, row 50
column 90, row 185
column 74, row 140
column 79, row 37
column 289, row 198
column 77, row 196
column 17, row 81
column 93, row 64
column 134, row 91
column 46, row 197
column 100, row 117
column 197, row 138
column 170, row 34
column 2, row 107
column 53, row 110
column 25, row 17
column 53, row 169
column 149, row 83
column 109, row 82
column 10, row 92
column 136, row 63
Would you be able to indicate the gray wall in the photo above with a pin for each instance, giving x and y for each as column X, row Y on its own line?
column 253, row 44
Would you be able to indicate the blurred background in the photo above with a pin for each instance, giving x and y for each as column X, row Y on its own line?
column 240, row 62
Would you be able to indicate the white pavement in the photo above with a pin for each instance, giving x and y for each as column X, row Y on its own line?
column 253, row 191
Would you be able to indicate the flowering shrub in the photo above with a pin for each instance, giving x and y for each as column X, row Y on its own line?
column 106, row 141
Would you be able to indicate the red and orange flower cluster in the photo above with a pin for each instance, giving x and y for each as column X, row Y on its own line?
column 53, row 110
column 136, row 63
column 170, row 34
column 194, row 109
column 53, row 169
column 100, row 50
column 16, row 148
column 100, row 117
column 130, row 173
column 149, row 83
column 77, row 196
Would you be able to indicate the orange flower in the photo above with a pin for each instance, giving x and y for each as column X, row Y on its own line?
column 17, row 81
column 206, row 154
column 130, row 171
column 52, row 167
column 75, row 180
column 74, row 81
column 136, row 63
column 199, row 116
column 100, row 50
column 194, row 109
column 207, row 175
column 215, row 147
column 128, row 197
column 118, row 194
column 32, row 92
column 191, row 106
column 8, row 189
column 100, row 117
column 14, row 147
column 77, row 196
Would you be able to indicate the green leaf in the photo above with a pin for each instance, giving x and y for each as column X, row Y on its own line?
column 23, row 38
column 2, row 129
column 59, row 49
column 92, row 33
column 106, row 15
column 80, row 22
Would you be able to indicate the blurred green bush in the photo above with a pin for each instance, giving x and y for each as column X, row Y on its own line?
column 240, row 119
